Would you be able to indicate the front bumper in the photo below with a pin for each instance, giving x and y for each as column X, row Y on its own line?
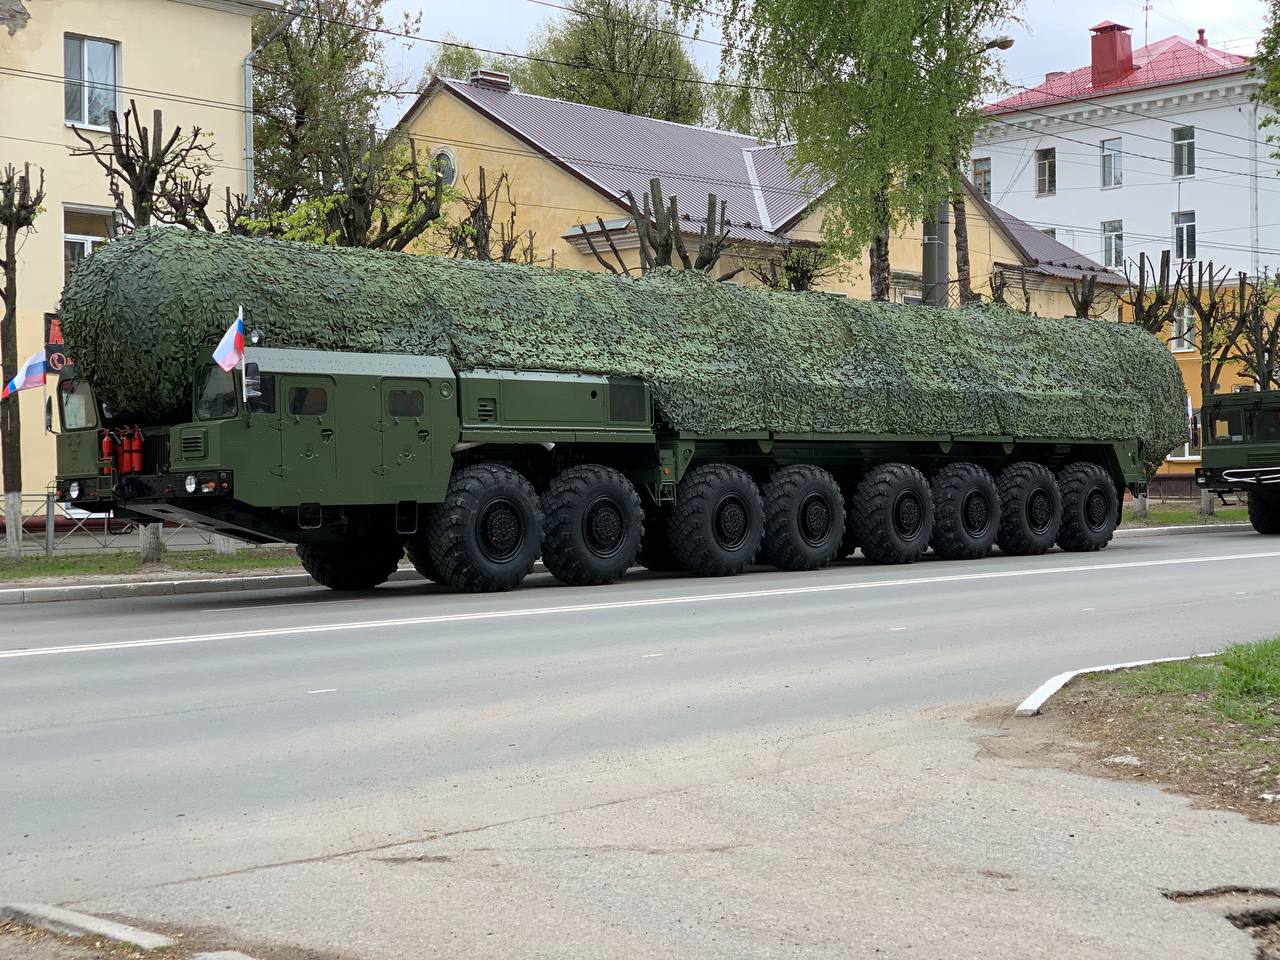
column 1237, row 478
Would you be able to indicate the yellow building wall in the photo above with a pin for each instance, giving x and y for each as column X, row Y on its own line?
column 178, row 49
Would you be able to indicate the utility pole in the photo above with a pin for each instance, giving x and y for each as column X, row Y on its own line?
column 935, row 259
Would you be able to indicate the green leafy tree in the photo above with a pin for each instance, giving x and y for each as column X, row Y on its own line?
column 884, row 95
column 619, row 54
column 1266, row 65
column 457, row 59
column 323, row 74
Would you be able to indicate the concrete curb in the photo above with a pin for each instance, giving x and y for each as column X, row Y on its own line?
column 1032, row 705
column 68, row 922
column 1126, row 532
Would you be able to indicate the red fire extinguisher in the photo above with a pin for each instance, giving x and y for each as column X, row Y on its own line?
column 133, row 450
column 108, row 452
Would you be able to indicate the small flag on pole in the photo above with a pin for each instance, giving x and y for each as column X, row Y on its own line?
column 230, row 349
column 30, row 375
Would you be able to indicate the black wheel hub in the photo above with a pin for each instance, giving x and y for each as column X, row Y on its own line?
column 1039, row 510
column 603, row 527
column 501, row 531
column 815, row 519
column 975, row 513
column 1096, row 510
column 731, row 522
column 908, row 516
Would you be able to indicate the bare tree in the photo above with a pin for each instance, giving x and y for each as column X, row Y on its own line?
column 473, row 237
column 386, row 198
column 1087, row 300
column 1258, row 347
column 153, row 179
column 21, row 202
column 799, row 268
column 1151, row 298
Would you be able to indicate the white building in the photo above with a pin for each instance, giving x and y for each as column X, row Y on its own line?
column 1139, row 151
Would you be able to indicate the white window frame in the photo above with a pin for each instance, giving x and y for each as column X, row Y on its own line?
column 1184, row 245
column 84, row 83
column 453, row 162
column 1182, row 338
column 1046, row 171
column 1187, row 455
column 1112, row 243
column 86, row 240
column 1110, row 163
column 982, row 179
column 1185, row 146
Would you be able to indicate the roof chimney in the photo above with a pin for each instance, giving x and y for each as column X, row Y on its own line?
column 492, row 79
column 1053, row 75
column 1200, row 38
column 1112, row 52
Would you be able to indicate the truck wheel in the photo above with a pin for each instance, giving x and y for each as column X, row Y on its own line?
column 485, row 535
column 593, row 523
column 893, row 514
column 848, row 542
column 351, row 564
column 718, row 521
column 803, row 518
column 1030, row 509
column 966, row 512
column 418, row 550
column 655, row 548
column 1264, row 511
column 1090, row 507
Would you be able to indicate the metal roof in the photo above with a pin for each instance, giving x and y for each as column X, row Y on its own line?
column 1171, row 60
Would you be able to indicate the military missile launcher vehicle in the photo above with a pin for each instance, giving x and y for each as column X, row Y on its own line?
column 1240, row 452
column 475, row 416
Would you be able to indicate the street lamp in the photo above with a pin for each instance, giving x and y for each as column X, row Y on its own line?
column 999, row 43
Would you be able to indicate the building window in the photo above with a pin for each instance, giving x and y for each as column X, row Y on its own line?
column 982, row 176
column 1111, row 164
column 447, row 164
column 89, row 91
column 82, row 233
column 1113, row 243
column 1183, row 336
column 1184, row 235
column 1046, row 172
column 1184, row 151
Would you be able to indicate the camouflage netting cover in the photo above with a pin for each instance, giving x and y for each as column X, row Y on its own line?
column 141, row 311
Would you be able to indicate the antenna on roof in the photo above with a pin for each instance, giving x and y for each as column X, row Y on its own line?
column 1146, row 22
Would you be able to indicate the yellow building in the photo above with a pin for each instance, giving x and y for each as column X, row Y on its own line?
column 69, row 62
column 570, row 165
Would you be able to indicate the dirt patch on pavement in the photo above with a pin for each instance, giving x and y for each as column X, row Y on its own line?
column 21, row 942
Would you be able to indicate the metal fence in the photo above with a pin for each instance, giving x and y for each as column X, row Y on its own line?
column 49, row 527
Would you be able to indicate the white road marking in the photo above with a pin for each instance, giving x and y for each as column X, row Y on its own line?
column 896, row 629
column 325, row 690
column 1088, row 609
column 619, row 605
column 646, row 656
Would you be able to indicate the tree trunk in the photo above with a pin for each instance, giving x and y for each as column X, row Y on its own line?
column 1140, row 507
column 13, row 525
column 880, row 249
column 1208, row 503
column 151, row 542
column 10, row 414
column 225, row 546
column 964, row 276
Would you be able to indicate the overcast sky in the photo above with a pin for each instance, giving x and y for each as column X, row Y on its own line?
column 1053, row 36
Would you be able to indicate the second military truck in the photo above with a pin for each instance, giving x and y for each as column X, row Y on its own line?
column 478, row 416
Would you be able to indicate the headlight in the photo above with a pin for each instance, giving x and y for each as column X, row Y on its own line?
column 190, row 483
column 74, row 489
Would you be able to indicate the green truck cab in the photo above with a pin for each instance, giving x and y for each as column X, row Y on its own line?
column 362, row 458
column 1241, row 452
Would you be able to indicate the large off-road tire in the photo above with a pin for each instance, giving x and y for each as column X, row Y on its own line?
column 966, row 512
column 1090, row 507
column 893, row 514
column 848, row 542
column 486, row 534
column 592, row 525
column 655, row 547
column 351, row 564
column 1030, row 509
column 803, row 518
column 418, row 550
column 1264, row 510
column 718, row 522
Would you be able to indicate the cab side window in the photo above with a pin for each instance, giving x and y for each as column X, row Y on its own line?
column 260, row 388
column 307, row 401
column 405, row 403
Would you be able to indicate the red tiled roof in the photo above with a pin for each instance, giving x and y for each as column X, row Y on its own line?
column 1165, row 62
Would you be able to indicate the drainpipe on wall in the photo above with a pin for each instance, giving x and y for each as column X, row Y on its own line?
column 280, row 28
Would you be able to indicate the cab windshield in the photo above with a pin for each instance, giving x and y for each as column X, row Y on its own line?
column 75, row 401
column 1266, row 426
column 215, row 394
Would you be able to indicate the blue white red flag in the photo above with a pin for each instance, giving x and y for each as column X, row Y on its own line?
column 230, row 349
column 30, row 374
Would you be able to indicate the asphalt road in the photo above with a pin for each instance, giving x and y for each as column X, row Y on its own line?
column 150, row 741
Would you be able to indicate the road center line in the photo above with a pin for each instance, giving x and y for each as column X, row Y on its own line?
column 619, row 605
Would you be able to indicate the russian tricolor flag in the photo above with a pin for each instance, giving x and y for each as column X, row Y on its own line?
column 30, row 374
column 230, row 349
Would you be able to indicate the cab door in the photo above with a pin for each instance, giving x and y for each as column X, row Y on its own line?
column 308, row 435
column 406, row 447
